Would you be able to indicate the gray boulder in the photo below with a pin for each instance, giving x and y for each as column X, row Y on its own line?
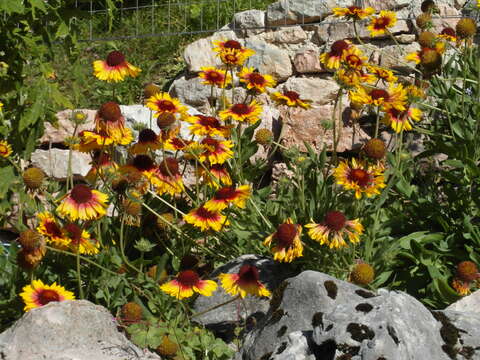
column 68, row 330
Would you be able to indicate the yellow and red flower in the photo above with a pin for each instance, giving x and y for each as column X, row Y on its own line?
column 351, row 77
column 361, row 177
column 353, row 12
column 448, row 34
column 216, row 176
column 187, row 283
column 92, row 140
column 232, row 57
column 5, row 149
column 48, row 227
column 382, row 73
column 207, row 126
column 167, row 177
column 102, row 165
column 79, row 240
column 231, row 52
column 286, row 242
column 115, row 68
column 214, row 76
column 243, row 112
column 147, row 141
column 379, row 25
column 333, row 228
column 83, row 203
column 227, row 195
column 246, row 281
column 332, row 59
column 216, row 151
column 205, row 219
column 395, row 97
column 109, row 119
column 291, row 99
column 402, row 120
column 256, row 81
column 38, row 294
column 162, row 103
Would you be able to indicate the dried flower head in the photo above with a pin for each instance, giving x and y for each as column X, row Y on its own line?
column 131, row 312
column 362, row 274
column 427, row 39
column 466, row 28
column 33, row 178
column 30, row 240
column 375, row 149
column 263, row 136
column 467, row 271
column 424, row 21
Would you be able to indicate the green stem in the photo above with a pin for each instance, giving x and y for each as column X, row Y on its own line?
column 79, row 277
column 377, row 122
column 356, row 33
column 215, row 307
column 122, row 246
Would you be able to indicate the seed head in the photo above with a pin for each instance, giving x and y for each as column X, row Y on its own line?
column 431, row 59
column 162, row 224
column 466, row 28
column 131, row 312
column 263, row 136
column 424, row 21
column 167, row 347
column 150, row 89
column 165, row 120
column 362, row 274
column 30, row 240
column 428, row 6
column 427, row 39
column 33, row 178
column 375, row 149
column 467, row 271
column 133, row 208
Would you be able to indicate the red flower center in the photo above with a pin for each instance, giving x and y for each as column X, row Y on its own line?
column 354, row 60
column 256, row 79
column 81, row 194
column 205, row 214
column 147, row 136
column 381, row 23
column 335, row 220
column 178, row 143
column 292, row 95
column 286, row 234
column 110, row 111
column 169, row 167
column 166, row 105
column 115, row 58
column 46, row 295
column 360, row 176
column 338, row 47
column 208, row 121
column 225, row 193
column 232, row 44
column 73, row 231
column 240, row 109
column 188, row 278
column 52, row 229
column 353, row 9
column 210, row 142
column 143, row 163
column 248, row 274
column 214, row 76
column 231, row 58
column 448, row 31
column 379, row 93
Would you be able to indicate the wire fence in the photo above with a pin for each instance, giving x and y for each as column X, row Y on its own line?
column 157, row 18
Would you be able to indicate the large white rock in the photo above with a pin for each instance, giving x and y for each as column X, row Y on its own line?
column 54, row 162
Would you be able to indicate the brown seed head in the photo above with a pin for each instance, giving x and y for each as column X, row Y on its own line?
column 430, row 59
column 30, row 240
column 33, row 178
column 263, row 136
column 165, row 120
column 110, row 111
column 151, row 89
column 167, row 347
column 424, row 21
column 162, row 224
column 362, row 274
column 467, row 271
column 131, row 312
column 466, row 28
column 427, row 39
column 428, row 6
column 130, row 207
column 375, row 149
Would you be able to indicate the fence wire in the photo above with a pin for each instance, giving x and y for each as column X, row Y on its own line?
column 157, row 18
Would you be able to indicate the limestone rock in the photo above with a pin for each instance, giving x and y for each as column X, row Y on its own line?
column 68, row 330
column 470, row 303
column 393, row 57
column 308, row 61
column 269, row 58
column 294, row 348
column 54, row 162
column 64, row 127
column 190, row 91
column 284, row 36
column 319, row 91
column 249, row 22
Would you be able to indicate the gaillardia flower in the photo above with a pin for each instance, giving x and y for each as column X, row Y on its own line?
column 290, row 99
column 109, row 119
column 353, row 12
column 402, row 120
column 187, row 283
column 205, row 219
column 147, row 141
column 380, row 24
column 79, row 240
column 360, row 177
column 214, row 76
column 49, row 228
column 167, row 177
column 228, row 49
column 216, row 175
column 256, row 81
column 115, row 68
column 333, row 228
column 243, row 112
column 207, row 126
column 216, row 151
column 5, row 149
column 162, row 103
column 467, row 273
column 246, row 281
column 83, row 203
column 395, row 97
column 286, row 242
column 226, row 195
column 331, row 60
column 38, row 294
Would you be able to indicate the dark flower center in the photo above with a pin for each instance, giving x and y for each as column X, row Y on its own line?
column 143, row 163
column 110, row 111
column 354, row 9
column 232, row 44
column 208, row 121
column 286, row 234
column 210, row 142
column 115, row 58
column 214, row 76
column 292, row 95
column 188, row 278
column 248, row 274
column 178, row 143
column 379, row 93
column 225, row 193
column 256, row 79
column 73, row 231
column 360, row 176
column 241, row 109
column 205, row 214
column 354, row 60
column 381, row 23
column 169, row 167
column 166, row 105
column 335, row 220
column 448, row 31
column 147, row 135
column 81, row 194
column 338, row 47
column 45, row 296
column 231, row 58
column 52, row 229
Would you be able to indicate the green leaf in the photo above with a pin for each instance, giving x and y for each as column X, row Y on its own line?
column 12, row 6
column 7, row 175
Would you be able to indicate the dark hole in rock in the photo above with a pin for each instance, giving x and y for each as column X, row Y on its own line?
column 393, row 334
column 47, row 146
column 360, row 332
column 282, row 348
column 329, row 327
column 348, row 350
column 276, row 316
column 266, row 356
column 449, row 334
column 331, row 288
column 282, row 331
column 324, row 351
column 364, row 307
column 317, row 319
column 278, row 296
column 365, row 294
